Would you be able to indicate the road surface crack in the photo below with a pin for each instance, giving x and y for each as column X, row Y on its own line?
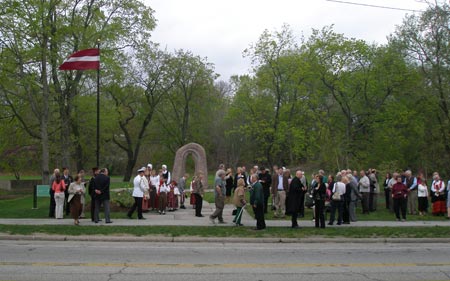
column 111, row 276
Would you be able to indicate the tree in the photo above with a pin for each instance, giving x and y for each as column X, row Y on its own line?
column 136, row 103
column 425, row 42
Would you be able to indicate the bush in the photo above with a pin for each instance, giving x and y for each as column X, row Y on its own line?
column 123, row 198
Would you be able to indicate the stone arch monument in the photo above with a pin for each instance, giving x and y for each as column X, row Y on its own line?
column 199, row 156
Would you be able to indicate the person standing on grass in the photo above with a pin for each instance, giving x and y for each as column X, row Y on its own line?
column 154, row 187
column 266, row 180
column 198, row 191
column 354, row 197
column 257, row 202
column 162, row 193
column 319, row 195
column 59, row 188
column 422, row 193
column 67, row 178
column 76, row 190
column 400, row 196
column 387, row 190
column 438, row 194
column 140, row 187
column 51, row 212
column 280, row 185
column 296, row 192
column 337, row 202
column 239, row 201
column 91, row 190
column 219, row 195
column 182, row 189
column 229, row 183
column 364, row 189
column 102, row 197
column 411, row 184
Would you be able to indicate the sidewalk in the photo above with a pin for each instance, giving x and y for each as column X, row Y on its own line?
column 186, row 218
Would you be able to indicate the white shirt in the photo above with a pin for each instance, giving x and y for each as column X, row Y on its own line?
column 422, row 190
column 155, row 181
column 364, row 184
column 438, row 186
column 140, row 186
column 339, row 187
column 280, row 183
column 164, row 188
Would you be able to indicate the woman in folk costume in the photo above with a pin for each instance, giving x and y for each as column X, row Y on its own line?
column 438, row 196
column 172, row 200
column 146, row 197
column 162, row 195
column 153, row 192
column 192, row 201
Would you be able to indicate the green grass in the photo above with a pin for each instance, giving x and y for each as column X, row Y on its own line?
column 177, row 231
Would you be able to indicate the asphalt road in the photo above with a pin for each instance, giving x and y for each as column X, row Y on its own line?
column 42, row 260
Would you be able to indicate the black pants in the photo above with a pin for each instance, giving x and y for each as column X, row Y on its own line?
column 51, row 211
column 400, row 204
column 259, row 216
column 137, row 204
column 266, row 192
column 66, row 201
column 319, row 213
column 294, row 216
column 365, row 202
column 301, row 210
column 92, row 207
column 336, row 206
column 346, row 211
column 387, row 197
column 198, row 204
column 373, row 202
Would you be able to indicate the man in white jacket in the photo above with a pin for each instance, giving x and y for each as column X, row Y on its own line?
column 140, row 187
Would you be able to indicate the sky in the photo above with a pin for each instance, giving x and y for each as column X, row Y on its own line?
column 220, row 30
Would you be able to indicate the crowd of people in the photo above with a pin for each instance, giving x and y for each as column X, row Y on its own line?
column 67, row 194
column 337, row 194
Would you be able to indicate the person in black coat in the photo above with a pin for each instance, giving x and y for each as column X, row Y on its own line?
column 91, row 189
column 266, row 181
column 319, row 195
column 296, row 193
column 102, row 194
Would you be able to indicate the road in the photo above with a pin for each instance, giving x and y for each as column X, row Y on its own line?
column 43, row 260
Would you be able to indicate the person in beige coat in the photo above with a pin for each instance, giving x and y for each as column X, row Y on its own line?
column 239, row 201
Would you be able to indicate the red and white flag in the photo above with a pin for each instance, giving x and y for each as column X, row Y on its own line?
column 82, row 60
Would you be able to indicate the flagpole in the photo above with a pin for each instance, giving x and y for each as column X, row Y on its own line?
column 98, row 108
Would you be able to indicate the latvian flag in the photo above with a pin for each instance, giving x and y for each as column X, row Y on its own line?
column 82, row 60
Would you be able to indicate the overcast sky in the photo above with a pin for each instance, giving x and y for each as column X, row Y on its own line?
column 221, row 30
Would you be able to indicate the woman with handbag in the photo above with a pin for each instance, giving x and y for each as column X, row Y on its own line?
column 76, row 190
column 337, row 198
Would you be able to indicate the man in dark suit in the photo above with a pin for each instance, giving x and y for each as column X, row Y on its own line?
column 296, row 193
column 67, row 178
column 257, row 201
column 266, row 180
column 102, row 194
column 91, row 190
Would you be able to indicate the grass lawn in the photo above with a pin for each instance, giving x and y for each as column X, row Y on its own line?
column 247, row 232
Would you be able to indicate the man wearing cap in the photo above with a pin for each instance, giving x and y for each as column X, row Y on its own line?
column 140, row 187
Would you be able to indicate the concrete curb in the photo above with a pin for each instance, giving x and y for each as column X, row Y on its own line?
column 224, row 240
